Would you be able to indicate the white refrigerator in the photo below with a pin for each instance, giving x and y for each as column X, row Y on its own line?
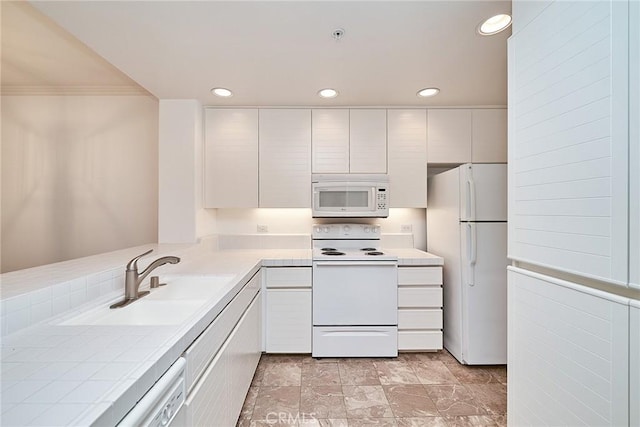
column 467, row 226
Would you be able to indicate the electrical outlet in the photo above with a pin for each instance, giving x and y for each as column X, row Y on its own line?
column 406, row 228
column 263, row 228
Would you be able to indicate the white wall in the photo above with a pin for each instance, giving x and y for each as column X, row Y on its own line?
column 299, row 221
column 79, row 176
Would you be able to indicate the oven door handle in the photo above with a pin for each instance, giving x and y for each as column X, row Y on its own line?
column 350, row 263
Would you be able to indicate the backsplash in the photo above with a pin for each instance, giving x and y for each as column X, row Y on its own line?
column 35, row 294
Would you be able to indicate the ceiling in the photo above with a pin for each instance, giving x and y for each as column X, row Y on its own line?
column 281, row 53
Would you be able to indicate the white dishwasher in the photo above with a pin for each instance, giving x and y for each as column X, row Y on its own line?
column 162, row 402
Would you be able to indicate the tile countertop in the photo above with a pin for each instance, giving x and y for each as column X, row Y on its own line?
column 55, row 374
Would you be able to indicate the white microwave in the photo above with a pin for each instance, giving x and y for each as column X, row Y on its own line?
column 350, row 195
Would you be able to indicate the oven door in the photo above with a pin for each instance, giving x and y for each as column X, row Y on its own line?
column 355, row 293
column 336, row 199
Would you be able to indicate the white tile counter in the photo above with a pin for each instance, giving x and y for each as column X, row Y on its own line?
column 55, row 374
column 409, row 256
column 82, row 375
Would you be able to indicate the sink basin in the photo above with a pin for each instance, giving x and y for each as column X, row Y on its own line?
column 139, row 313
column 172, row 304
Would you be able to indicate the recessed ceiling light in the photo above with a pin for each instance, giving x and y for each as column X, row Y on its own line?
column 328, row 93
column 427, row 92
column 494, row 25
column 220, row 91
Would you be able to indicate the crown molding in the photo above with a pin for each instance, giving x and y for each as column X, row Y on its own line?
column 75, row 90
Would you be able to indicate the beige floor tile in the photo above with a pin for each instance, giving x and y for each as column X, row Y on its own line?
column 249, row 403
column 320, row 374
column 282, row 374
column 396, row 372
column 259, row 374
column 320, row 422
column 471, row 421
column 501, row 420
column 276, row 402
column 366, row 401
column 358, row 373
column 471, row 374
column 499, row 373
column 323, row 401
column 492, row 397
column 367, row 422
column 283, row 358
column 454, row 399
column 433, row 372
column 409, row 401
column 422, row 422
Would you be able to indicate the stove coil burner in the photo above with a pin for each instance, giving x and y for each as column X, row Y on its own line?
column 333, row 253
column 328, row 249
column 368, row 249
column 374, row 253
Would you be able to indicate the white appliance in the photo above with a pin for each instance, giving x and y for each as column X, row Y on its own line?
column 350, row 195
column 162, row 402
column 354, row 293
column 467, row 226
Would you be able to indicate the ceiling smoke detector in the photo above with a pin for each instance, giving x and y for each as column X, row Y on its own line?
column 337, row 34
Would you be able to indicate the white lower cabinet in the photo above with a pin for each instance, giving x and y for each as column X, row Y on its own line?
column 568, row 353
column 217, row 396
column 634, row 363
column 288, row 310
column 419, row 308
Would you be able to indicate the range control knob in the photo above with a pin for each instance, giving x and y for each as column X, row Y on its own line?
column 346, row 228
column 326, row 229
column 367, row 229
column 318, row 229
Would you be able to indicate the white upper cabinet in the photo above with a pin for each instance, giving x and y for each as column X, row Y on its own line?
column 469, row 135
column 569, row 140
column 408, row 158
column 231, row 155
column 489, row 135
column 330, row 140
column 449, row 136
column 368, row 141
column 285, row 158
column 349, row 141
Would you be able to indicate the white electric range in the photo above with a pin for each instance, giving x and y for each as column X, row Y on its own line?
column 355, row 293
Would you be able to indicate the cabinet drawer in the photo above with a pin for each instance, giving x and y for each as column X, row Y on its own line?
column 420, row 296
column 413, row 276
column 428, row 318
column 419, row 340
column 209, row 342
column 288, row 277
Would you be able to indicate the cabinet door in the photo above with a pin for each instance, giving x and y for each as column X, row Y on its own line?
column 489, row 136
column 208, row 403
column 568, row 353
column 634, row 363
column 243, row 355
column 569, row 140
column 231, row 156
column 285, row 158
column 288, row 321
column 449, row 136
column 330, row 141
column 368, row 141
column 408, row 158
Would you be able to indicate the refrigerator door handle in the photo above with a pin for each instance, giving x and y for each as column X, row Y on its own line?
column 471, row 199
column 471, row 252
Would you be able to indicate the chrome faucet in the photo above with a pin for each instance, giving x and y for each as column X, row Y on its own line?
column 133, row 279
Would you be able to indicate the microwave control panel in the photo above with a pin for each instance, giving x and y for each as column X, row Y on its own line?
column 381, row 197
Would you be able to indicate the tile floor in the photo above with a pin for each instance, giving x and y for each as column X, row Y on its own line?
column 415, row 389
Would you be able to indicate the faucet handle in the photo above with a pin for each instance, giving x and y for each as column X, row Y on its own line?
column 133, row 264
